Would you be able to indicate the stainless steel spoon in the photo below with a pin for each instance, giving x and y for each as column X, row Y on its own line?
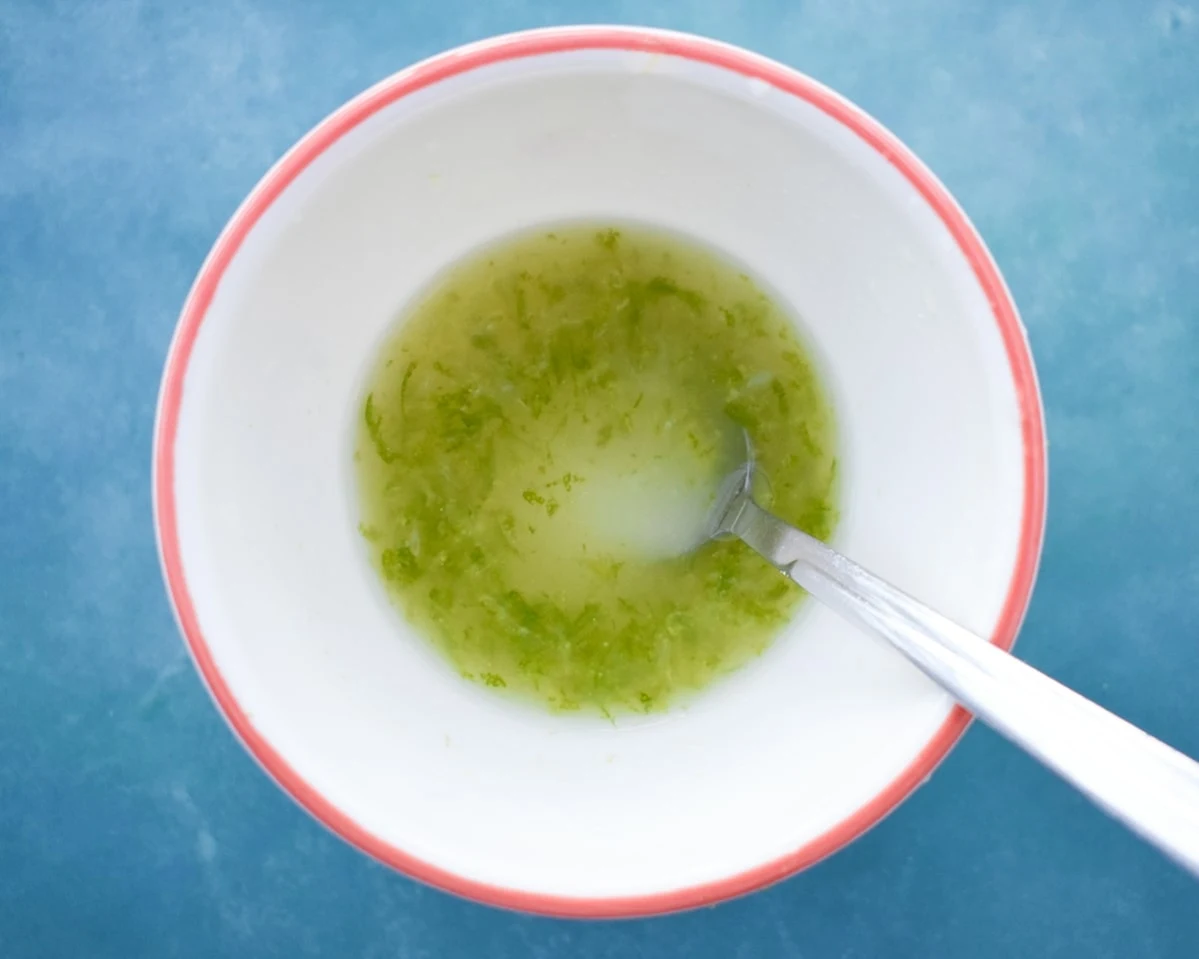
column 1150, row 787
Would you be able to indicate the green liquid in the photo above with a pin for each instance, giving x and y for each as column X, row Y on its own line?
column 538, row 445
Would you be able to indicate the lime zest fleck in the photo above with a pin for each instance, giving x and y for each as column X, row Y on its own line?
column 374, row 427
column 400, row 565
column 404, row 385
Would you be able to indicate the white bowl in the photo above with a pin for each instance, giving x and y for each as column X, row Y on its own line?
column 943, row 463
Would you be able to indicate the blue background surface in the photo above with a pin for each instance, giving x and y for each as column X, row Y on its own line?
column 132, row 824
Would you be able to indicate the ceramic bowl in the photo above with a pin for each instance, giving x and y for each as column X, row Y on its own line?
column 773, row 768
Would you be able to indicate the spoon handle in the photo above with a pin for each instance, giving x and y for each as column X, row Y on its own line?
column 1149, row 786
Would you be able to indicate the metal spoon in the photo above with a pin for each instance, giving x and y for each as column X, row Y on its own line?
column 1150, row 787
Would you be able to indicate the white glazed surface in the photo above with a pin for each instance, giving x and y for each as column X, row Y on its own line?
column 360, row 707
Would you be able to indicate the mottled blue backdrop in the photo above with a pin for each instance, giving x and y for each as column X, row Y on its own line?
column 132, row 824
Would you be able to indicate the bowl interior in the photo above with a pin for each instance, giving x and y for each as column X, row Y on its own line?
column 791, row 753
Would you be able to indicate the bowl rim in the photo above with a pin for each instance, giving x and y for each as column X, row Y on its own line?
column 515, row 46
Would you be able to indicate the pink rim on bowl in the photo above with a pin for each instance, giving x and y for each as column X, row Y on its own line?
column 513, row 47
